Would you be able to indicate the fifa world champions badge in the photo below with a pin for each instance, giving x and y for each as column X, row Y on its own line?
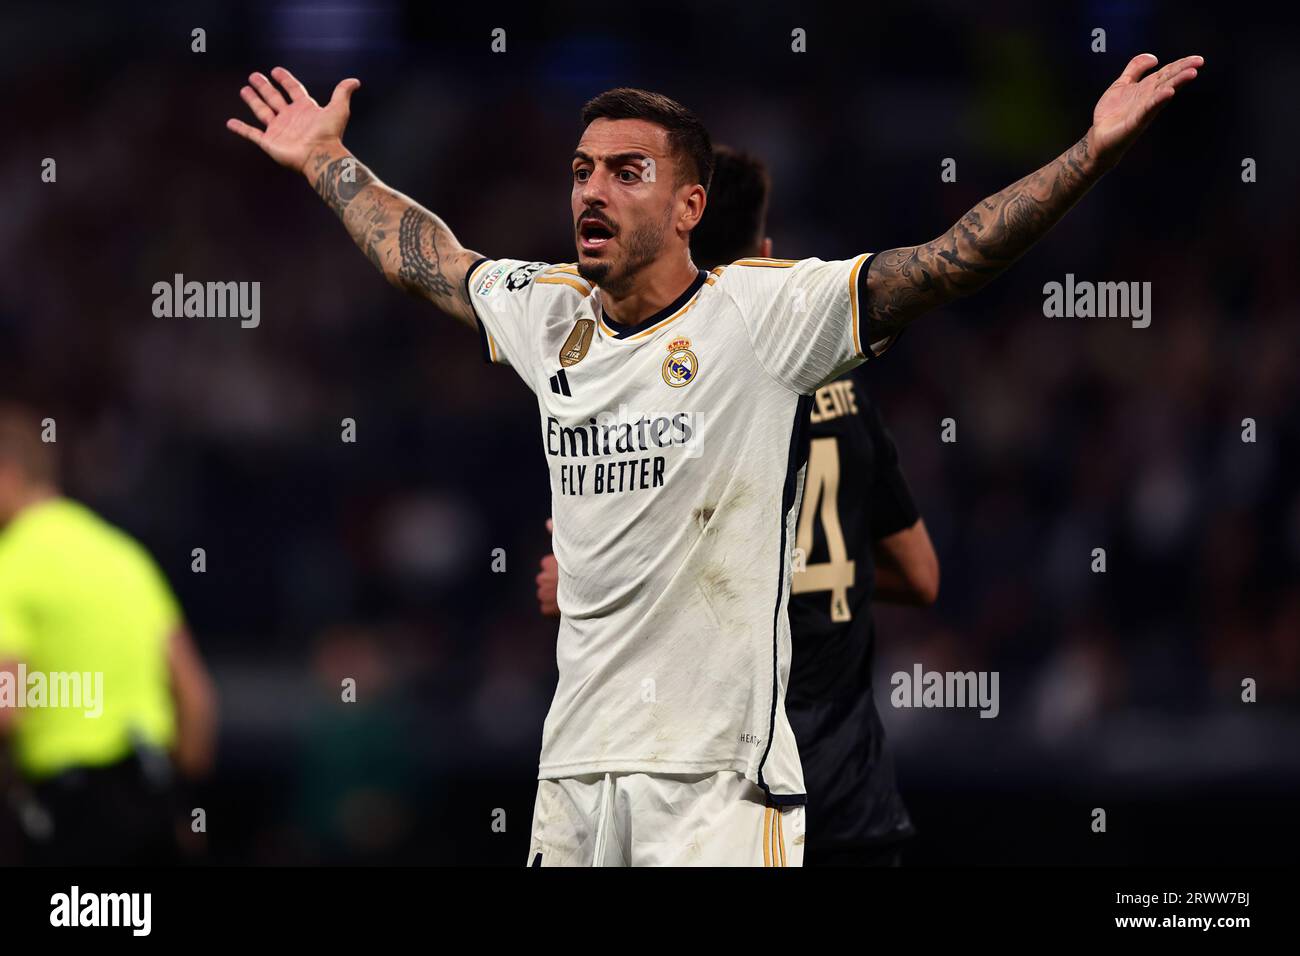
column 576, row 345
column 681, row 366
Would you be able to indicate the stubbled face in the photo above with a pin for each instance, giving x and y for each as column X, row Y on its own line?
column 625, row 208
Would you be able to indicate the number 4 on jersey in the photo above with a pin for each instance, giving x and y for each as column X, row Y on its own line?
column 821, row 500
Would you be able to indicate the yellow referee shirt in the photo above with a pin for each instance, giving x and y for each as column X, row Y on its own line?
column 87, row 614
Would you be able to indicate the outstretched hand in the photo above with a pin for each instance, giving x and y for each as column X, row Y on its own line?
column 1132, row 102
column 297, row 126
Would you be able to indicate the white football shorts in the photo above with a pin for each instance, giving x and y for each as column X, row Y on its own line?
column 640, row 819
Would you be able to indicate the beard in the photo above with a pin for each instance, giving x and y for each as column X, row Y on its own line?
column 644, row 244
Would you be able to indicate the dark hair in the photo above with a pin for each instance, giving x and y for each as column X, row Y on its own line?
column 687, row 136
column 21, row 444
column 732, row 225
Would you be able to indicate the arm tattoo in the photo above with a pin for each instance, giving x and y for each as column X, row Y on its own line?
column 410, row 245
column 375, row 220
column 341, row 181
column 905, row 282
column 417, row 241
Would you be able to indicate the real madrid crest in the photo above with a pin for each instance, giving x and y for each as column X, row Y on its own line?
column 681, row 366
column 579, row 340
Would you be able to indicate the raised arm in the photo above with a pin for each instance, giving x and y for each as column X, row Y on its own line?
column 903, row 283
column 411, row 246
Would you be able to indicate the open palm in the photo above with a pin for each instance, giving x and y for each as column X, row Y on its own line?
column 1133, row 101
column 296, row 126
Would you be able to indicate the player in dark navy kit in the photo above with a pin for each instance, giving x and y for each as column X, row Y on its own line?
column 859, row 536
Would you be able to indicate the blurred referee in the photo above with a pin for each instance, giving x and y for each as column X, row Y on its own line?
column 80, row 597
column 862, row 537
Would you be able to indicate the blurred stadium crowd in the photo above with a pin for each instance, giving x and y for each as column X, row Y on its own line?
column 373, row 560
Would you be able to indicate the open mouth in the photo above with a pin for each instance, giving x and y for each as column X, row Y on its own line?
column 593, row 234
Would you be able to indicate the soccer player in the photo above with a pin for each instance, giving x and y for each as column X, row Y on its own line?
column 673, row 405
column 99, row 678
column 858, row 532
column 860, row 535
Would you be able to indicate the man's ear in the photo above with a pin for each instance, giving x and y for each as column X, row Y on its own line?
column 696, row 201
column 765, row 250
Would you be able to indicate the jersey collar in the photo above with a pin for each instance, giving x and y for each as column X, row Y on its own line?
column 667, row 313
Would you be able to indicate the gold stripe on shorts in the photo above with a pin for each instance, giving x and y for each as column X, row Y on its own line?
column 767, row 838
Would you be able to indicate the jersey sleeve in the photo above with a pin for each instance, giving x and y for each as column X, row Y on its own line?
column 504, row 294
column 892, row 507
column 805, row 317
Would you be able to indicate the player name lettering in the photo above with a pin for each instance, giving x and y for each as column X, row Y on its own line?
column 834, row 401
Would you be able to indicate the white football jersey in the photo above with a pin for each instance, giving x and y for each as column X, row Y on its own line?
column 675, row 449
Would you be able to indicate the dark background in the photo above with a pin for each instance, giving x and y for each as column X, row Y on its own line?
column 373, row 560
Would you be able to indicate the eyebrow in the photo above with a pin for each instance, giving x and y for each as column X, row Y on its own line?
column 617, row 159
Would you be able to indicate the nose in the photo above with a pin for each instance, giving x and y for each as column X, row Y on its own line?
column 593, row 191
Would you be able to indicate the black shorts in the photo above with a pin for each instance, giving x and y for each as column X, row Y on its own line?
column 119, row 815
column 853, row 800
